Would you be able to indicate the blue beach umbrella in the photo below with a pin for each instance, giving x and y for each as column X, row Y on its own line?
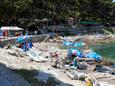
column 20, row 39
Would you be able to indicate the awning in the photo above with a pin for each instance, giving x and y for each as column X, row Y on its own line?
column 88, row 22
column 10, row 28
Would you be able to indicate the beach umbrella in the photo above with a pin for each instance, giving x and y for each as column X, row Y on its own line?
column 20, row 39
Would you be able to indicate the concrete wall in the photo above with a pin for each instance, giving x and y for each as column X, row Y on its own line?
column 35, row 38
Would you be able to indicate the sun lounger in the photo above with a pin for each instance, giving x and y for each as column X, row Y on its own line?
column 35, row 56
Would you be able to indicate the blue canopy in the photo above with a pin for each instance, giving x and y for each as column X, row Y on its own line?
column 20, row 39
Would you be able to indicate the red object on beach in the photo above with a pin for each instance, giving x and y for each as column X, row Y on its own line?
column 21, row 45
column 5, row 33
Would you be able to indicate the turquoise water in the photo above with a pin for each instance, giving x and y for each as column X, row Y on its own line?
column 106, row 50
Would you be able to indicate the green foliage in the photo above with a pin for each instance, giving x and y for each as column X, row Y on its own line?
column 83, row 9
column 10, row 8
column 22, row 4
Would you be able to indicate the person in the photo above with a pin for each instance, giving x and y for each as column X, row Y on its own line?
column 25, row 47
column 75, row 62
column 88, row 82
column 20, row 45
column 30, row 45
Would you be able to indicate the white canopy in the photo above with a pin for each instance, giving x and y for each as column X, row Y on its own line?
column 10, row 28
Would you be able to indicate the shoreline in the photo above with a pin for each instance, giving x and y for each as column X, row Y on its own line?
column 18, row 62
column 24, row 63
column 97, row 40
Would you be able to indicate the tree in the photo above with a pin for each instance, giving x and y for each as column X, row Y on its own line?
column 10, row 8
column 95, row 9
column 83, row 9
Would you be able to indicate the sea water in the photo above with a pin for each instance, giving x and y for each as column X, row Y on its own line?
column 106, row 50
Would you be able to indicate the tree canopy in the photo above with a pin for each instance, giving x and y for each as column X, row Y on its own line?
column 84, row 9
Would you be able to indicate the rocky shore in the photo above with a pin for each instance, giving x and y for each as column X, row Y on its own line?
column 13, row 58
